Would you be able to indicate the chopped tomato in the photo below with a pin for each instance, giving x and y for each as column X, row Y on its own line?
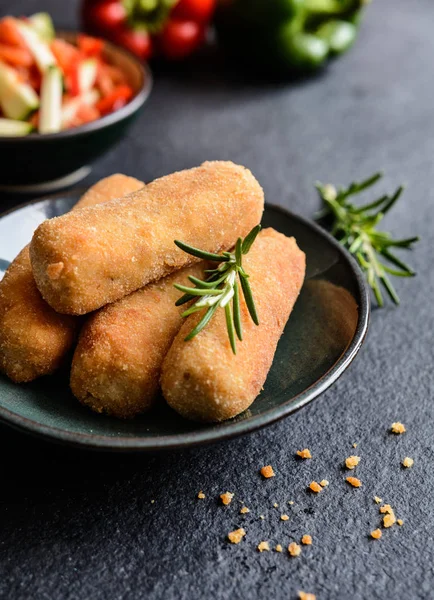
column 19, row 57
column 115, row 74
column 9, row 33
column 181, row 38
column 86, row 114
column 104, row 82
column 72, row 82
column 66, row 55
column 118, row 98
column 90, row 46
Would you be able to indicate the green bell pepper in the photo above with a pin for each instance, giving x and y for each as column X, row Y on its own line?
column 288, row 35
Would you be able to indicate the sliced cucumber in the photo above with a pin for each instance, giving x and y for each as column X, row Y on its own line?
column 50, row 114
column 71, row 107
column 11, row 128
column 87, row 72
column 39, row 49
column 17, row 99
column 43, row 25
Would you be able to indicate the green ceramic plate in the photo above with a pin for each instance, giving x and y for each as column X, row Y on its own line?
column 322, row 337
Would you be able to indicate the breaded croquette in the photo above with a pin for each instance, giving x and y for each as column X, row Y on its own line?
column 34, row 339
column 201, row 378
column 117, row 362
column 94, row 256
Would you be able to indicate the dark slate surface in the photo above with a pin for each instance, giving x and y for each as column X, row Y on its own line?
column 77, row 525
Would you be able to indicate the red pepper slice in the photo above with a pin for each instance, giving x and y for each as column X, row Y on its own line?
column 90, row 46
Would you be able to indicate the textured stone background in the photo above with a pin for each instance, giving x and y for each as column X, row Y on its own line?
column 77, row 525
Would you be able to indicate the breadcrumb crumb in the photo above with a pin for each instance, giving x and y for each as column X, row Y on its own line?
column 226, row 498
column 315, row 487
column 306, row 540
column 276, row 505
column 294, row 549
column 354, row 445
column 279, row 548
column 267, row 472
column 354, row 481
column 244, row 510
column 386, row 508
column 263, row 546
column 407, row 462
column 201, row 495
column 236, row 536
column 397, row 428
column 352, row 461
column 284, row 517
column 400, row 522
column 389, row 520
column 304, row 453
column 377, row 500
column 306, row 596
column 376, row 534
column 261, row 517
column 291, row 502
column 324, row 483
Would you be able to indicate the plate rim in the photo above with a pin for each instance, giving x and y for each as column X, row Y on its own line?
column 229, row 429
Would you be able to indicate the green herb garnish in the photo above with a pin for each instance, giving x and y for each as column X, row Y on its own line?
column 356, row 229
column 220, row 288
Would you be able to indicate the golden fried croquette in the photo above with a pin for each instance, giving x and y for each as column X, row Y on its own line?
column 202, row 379
column 34, row 339
column 94, row 256
column 117, row 362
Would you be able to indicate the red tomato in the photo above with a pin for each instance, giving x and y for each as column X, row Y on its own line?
column 9, row 33
column 16, row 56
column 66, row 55
column 137, row 42
column 181, row 38
column 90, row 46
column 105, row 15
column 118, row 98
column 196, row 10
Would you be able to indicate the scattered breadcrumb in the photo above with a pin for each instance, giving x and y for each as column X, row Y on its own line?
column 407, row 462
column 377, row 500
column 386, row 508
column 284, row 517
column 267, row 472
column 354, row 481
column 315, row 487
column 304, row 453
column 306, row 596
column 291, row 502
column 324, row 483
column 244, row 510
column 201, row 495
column 400, row 522
column 352, row 461
column 397, row 428
column 226, row 498
column 152, row 501
column 261, row 517
column 376, row 534
column 279, row 548
column 263, row 546
column 389, row 520
column 276, row 505
column 354, row 445
column 306, row 540
column 294, row 549
column 236, row 536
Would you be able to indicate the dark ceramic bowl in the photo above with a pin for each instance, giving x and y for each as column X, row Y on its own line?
column 36, row 162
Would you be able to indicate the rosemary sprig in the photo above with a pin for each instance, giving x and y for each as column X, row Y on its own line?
column 220, row 288
column 356, row 229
